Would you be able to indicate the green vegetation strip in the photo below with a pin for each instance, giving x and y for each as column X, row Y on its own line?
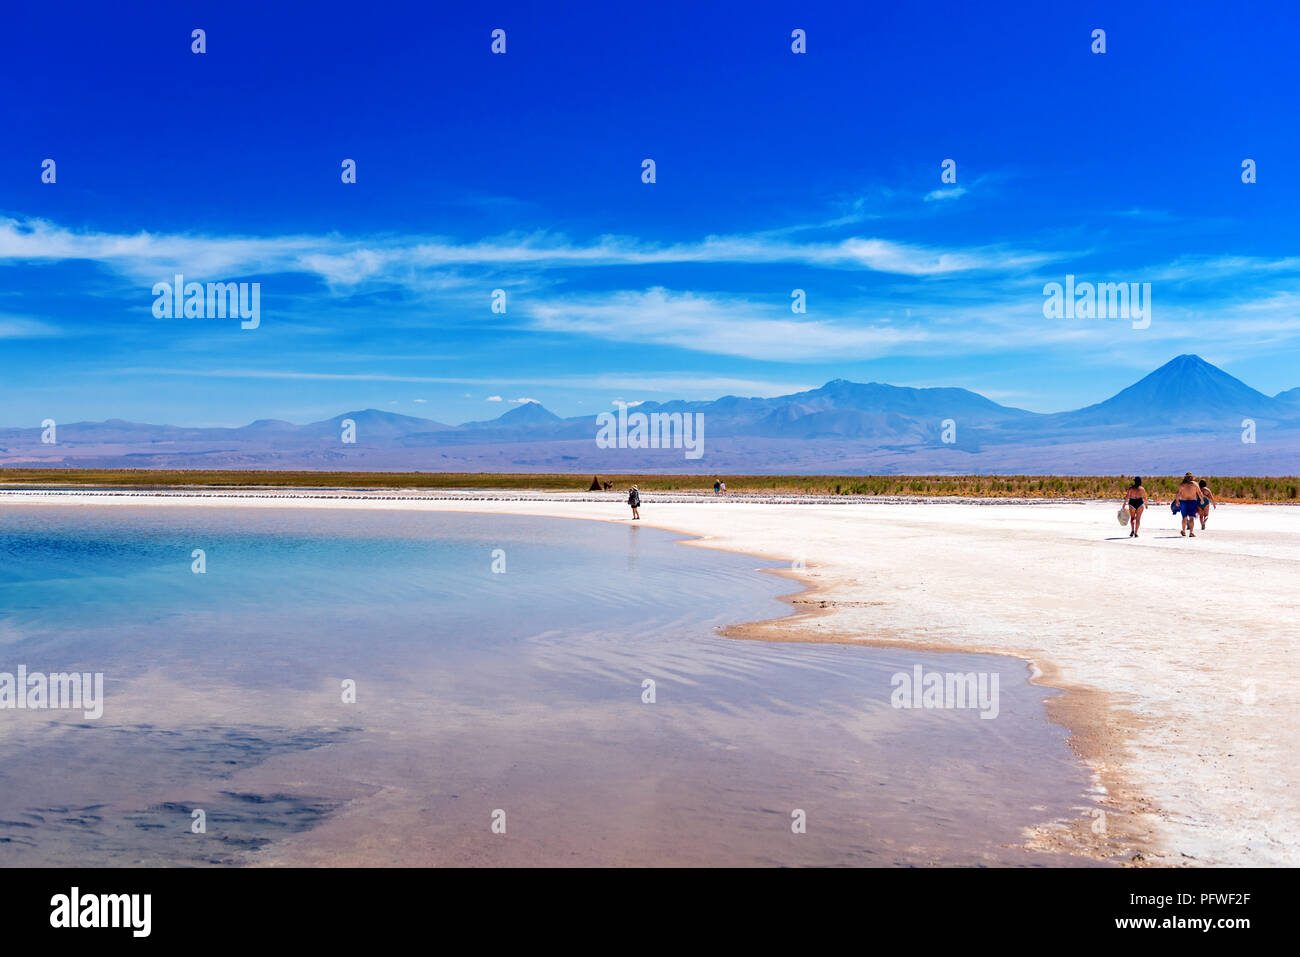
column 1227, row 488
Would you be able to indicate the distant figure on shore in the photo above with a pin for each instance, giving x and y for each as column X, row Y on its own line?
column 634, row 500
column 717, row 486
column 722, row 486
column 608, row 485
column 1205, row 501
column 1189, row 502
column 1137, row 503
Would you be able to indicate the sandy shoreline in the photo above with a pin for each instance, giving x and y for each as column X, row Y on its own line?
column 1175, row 653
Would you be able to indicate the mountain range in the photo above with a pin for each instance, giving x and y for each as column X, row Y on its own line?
column 1188, row 414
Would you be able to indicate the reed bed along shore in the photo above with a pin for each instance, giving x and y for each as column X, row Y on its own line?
column 1229, row 488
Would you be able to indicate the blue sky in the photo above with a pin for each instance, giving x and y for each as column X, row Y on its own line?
column 775, row 171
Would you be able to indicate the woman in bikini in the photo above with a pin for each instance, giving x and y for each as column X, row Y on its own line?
column 1189, row 503
column 1137, row 502
column 1205, row 500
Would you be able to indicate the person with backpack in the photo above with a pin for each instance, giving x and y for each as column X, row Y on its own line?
column 634, row 500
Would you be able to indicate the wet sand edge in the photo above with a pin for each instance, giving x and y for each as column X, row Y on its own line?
column 1098, row 726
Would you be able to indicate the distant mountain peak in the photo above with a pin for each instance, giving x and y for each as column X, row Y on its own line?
column 526, row 414
column 529, row 412
column 1188, row 360
column 1190, row 365
column 376, row 422
column 1186, row 388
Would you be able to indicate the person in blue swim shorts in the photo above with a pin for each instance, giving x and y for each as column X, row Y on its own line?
column 1189, row 503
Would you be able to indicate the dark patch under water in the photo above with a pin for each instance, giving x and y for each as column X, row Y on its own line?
column 60, row 760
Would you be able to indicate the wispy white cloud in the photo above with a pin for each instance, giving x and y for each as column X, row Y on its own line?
column 1213, row 268
column 952, row 192
column 22, row 327
column 348, row 262
column 717, row 325
column 990, row 300
column 695, row 386
column 676, row 384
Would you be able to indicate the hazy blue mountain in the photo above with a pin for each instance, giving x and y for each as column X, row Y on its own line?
column 891, row 415
column 372, row 424
column 841, row 394
column 1183, row 391
column 526, row 415
column 1186, row 414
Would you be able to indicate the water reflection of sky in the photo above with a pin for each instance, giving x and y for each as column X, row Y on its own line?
column 516, row 683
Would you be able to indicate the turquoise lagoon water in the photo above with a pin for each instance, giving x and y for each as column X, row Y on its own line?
column 499, row 666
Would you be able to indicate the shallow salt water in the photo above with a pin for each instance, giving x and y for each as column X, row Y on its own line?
column 481, row 695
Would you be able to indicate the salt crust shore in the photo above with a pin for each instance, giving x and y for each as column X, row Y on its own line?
column 1183, row 694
